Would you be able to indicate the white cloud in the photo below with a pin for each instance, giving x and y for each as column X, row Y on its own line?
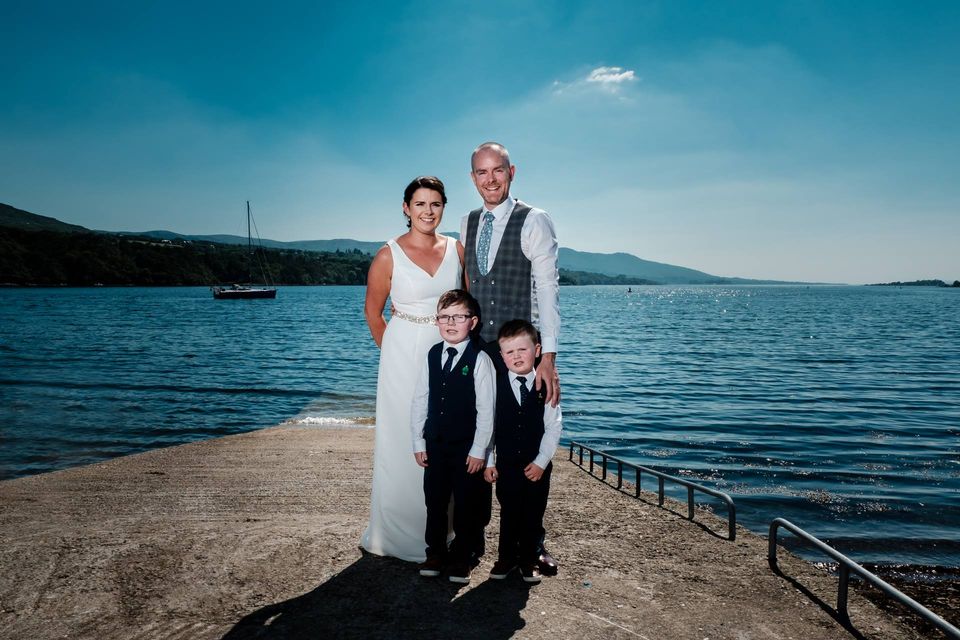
column 607, row 79
column 611, row 76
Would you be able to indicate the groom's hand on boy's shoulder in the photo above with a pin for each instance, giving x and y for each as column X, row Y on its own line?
column 474, row 464
column 548, row 380
column 421, row 458
column 533, row 472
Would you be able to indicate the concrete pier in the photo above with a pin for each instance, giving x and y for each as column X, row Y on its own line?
column 255, row 536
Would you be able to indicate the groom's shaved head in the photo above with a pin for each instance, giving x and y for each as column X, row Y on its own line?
column 495, row 147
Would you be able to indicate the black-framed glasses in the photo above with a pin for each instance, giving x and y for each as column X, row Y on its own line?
column 457, row 318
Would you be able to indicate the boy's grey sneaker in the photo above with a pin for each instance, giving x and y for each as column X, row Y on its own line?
column 459, row 573
column 530, row 573
column 431, row 567
column 502, row 568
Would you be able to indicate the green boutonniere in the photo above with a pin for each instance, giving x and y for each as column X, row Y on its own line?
column 466, row 370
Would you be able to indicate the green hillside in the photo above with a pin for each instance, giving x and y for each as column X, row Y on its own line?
column 51, row 258
column 20, row 219
column 166, row 257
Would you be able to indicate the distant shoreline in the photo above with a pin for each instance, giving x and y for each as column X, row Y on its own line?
column 919, row 283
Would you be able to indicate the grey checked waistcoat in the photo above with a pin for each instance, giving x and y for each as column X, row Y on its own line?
column 504, row 293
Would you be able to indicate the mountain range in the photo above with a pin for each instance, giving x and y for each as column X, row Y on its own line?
column 607, row 264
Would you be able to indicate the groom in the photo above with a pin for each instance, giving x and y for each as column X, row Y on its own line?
column 511, row 267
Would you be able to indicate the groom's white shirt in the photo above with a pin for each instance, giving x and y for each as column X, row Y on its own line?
column 485, row 387
column 538, row 242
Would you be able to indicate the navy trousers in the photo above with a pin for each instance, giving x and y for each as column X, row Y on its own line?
column 522, row 505
column 445, row 476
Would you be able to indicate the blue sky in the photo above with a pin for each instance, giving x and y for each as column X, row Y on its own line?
column 798, row 140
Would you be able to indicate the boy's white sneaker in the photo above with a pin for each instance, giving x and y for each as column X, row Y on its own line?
column 459, row 573
column 502, row 568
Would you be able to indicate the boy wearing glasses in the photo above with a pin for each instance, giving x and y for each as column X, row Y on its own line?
column 527, row 434
column 451, row 421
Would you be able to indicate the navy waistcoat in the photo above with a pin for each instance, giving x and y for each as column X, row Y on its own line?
column 452, row 406
column 518, row 429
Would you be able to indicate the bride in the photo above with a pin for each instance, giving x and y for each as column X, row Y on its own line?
column 413, row 269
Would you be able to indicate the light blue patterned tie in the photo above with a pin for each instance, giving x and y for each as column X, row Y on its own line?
column 483, row 243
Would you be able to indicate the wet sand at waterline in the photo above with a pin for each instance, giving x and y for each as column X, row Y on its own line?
column 255, row 536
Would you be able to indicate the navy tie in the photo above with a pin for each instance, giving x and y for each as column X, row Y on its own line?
column 448, row 365
column 524, row 392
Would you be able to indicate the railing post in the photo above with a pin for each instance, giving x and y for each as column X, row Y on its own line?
column 690, row 503
column 581, row 455
column 571, row 452
column 842, row 590
column 603, row 461
column 591, row 461
column 636, row 487
column 732, row 521
column 772, row 544
column 660, row 491
column 619, row 474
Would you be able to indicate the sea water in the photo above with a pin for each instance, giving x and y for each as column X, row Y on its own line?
column 835, row 407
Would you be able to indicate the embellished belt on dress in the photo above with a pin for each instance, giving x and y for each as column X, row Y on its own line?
column 414, row 319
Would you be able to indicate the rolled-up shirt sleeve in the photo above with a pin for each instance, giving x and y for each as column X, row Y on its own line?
column 538, row 241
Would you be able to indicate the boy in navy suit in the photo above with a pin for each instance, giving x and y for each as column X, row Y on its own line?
column 526, row 434
column 452, row 425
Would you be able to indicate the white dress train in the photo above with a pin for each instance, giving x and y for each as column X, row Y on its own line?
column 397, row 512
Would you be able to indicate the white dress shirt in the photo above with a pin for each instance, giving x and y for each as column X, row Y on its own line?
column 552, row 422
column 485, row 387
column 538, row 242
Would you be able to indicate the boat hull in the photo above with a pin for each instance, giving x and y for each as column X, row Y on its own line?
column 227, row 293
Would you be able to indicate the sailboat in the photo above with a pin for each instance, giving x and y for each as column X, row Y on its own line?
column 246, row 291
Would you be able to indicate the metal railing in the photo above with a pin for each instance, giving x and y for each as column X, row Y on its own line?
column 661, row 479
column 846, row 565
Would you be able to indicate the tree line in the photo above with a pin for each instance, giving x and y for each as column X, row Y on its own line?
column 919, row 283
column 50, row 258
column 84, row 259
column 586, row 277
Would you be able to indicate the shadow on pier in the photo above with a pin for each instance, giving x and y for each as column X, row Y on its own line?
column 386, row 598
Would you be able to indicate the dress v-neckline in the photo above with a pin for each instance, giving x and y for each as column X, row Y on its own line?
column 446, row 247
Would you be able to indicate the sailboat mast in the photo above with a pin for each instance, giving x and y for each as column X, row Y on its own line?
column 249, row 247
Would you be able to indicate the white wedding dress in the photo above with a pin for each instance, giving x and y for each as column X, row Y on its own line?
column 398, row 515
